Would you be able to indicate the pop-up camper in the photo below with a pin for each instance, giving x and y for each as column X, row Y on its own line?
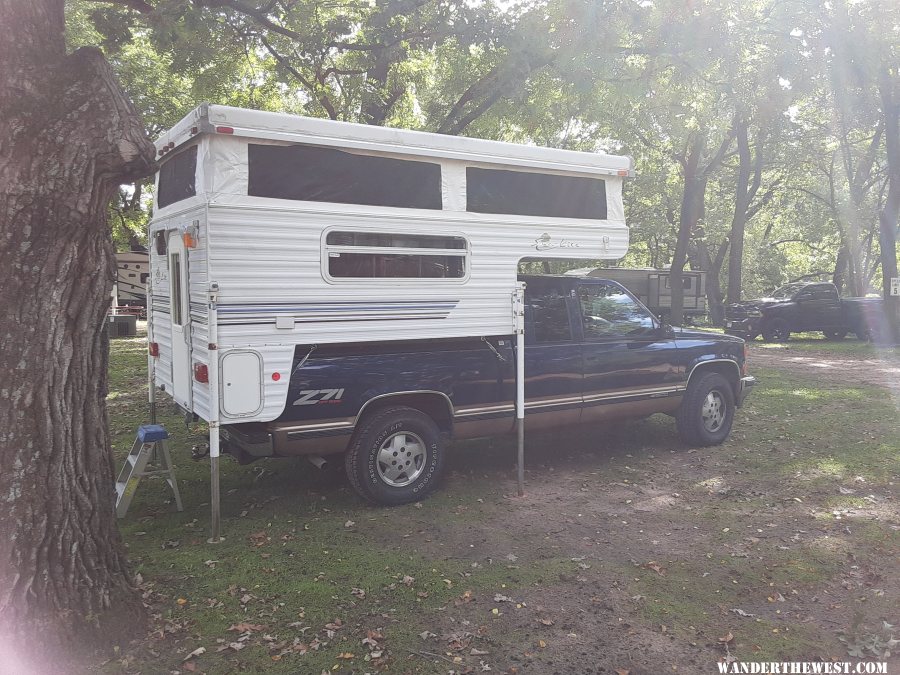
column 274, row 233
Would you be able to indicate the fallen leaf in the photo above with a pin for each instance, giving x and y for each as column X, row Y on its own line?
column 546, row 622
column 190, row 666
column 725, row 639
column 181, row 601
column 258, row 538
column 349, row 524
column 741, row 612
column 345, row 655
column 244, row 627
column 623, row 671
column 541, row 644
column 408, row 580
column 196, row 652
column 478, row 652
column 359, row 593
column 655, row 566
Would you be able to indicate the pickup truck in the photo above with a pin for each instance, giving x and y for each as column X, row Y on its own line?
column 593, row 354
column 804, row 307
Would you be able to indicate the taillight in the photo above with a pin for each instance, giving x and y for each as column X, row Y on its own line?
column 153, row 348
column 201, row 372
column 224, row 130
column 746, row 356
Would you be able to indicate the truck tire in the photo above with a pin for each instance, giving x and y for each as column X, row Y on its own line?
column 863, row 333
column 396, row 456
column 834, row 334
column 776, row 330
column 707, row 411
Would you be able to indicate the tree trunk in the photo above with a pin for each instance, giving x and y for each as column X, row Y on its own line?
column 692, row 207
column 742, row 197
column 68, row 138
column 890, row 214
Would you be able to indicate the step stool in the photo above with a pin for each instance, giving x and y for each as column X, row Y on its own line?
column 150, row 447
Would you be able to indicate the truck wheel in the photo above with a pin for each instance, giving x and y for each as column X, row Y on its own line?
column 835, row 334
column 395, row 457
column 776, row 330
column 707, row 411
column 863, row 333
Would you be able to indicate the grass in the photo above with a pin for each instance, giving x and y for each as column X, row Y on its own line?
column 305, row 563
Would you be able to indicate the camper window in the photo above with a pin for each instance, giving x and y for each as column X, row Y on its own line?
column 310, row 173
column 535, row 194
column 686, row 283
column 381, row 255
column 177, row 178
column 175, row 289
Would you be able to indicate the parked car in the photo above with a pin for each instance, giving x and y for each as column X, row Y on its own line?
column 804, row 307
column 593, row 354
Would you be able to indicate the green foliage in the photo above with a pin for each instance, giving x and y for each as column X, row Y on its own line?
column 652, row 80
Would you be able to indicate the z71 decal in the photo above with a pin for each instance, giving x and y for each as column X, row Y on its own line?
column 314, row 396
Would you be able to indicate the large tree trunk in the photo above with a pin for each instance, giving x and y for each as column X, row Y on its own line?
column 692, row 208
column 890, row 214
column 743, row 194
column 68, row 137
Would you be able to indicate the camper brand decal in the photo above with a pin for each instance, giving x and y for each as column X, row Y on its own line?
column 314, row 396
column 546, row 243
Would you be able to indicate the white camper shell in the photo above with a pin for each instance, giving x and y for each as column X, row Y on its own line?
column 272, row 230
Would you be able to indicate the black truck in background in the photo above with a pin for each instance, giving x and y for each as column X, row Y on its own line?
column 806, row 307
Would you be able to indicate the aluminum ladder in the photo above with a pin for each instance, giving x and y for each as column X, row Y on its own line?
column 151, row 446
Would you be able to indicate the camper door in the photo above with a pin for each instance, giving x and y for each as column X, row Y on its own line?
column 179, row 290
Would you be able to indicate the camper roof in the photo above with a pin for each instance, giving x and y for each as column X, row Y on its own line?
column 218, row 119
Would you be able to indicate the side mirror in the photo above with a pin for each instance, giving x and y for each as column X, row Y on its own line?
column 666, row 330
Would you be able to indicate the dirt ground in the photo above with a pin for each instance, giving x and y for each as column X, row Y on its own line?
column 713, row 545
column 629, row 553
column 830, row 365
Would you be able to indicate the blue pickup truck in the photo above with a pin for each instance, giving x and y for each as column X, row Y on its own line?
column 593, row 354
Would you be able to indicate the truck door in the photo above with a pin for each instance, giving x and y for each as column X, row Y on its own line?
column 626, row 357
column 552, row 356
column 179, row 298
column 818, row 307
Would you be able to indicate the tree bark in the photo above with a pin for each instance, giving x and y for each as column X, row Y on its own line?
column 744, row 193
column 68, row 137
column 693, row 198
column 889, row 216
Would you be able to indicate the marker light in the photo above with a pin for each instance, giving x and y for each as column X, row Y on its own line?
column 153, row 348
column 201, row 372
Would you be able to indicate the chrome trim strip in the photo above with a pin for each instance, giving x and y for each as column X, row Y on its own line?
column 315, row 427
column 464, row 412
column 401, row 393
column 703, row 363
column 628, row 393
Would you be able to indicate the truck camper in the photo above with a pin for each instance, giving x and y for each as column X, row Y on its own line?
column 282, row 246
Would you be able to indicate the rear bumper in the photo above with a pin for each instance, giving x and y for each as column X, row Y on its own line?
column 747, row 383
column 744, row 328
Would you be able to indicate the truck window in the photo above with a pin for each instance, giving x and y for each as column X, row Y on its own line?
column 525, row 193
column 385, row 255
column 177, row 178
column 316, row 174
column 550, row 316
column 608, row 311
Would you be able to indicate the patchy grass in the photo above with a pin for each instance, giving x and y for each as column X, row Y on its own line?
column 794, row 521
column 815, row 342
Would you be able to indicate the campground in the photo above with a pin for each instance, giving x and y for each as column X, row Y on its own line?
column 629, row 553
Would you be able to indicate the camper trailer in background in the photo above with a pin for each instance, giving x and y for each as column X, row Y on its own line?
column 133, row 270
column 654, row 288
